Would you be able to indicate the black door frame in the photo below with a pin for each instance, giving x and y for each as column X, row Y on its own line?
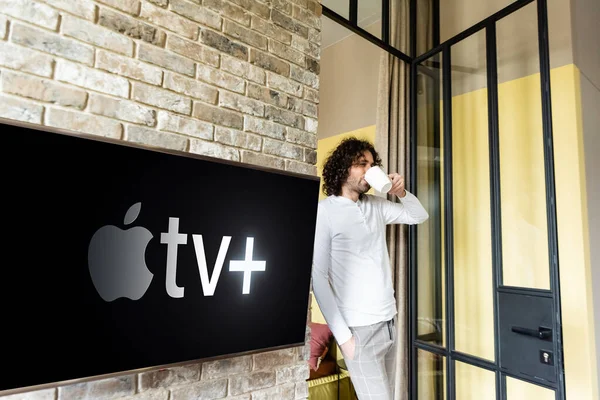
column 488, row 25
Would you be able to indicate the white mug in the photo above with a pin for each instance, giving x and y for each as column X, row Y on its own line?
column 378, row 179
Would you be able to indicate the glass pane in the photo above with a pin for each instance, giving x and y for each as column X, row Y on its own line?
column 431, row 376
column 458, row 15
column 369, row 16
column 430, row 273
column 473, row 288
column 424, row 26
column 341, row 7
column 474, row 383
column 523, row 189
column 519, row 390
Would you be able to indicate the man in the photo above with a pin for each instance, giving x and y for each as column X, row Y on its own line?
column 351, row 270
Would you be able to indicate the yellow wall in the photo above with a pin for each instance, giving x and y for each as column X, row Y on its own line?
column 524, row 229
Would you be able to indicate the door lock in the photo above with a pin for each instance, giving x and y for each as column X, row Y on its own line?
column 546, row 357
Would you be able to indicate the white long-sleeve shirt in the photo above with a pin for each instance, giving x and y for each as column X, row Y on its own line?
column 351, row 274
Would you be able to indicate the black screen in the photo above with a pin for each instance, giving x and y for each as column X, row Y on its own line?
column 77, row 308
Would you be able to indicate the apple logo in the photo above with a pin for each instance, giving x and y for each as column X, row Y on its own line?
column 116, row 259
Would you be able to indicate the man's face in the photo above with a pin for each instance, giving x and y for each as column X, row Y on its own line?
column 356, row 176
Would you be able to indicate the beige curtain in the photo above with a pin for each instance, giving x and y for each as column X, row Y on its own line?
column 391, row 141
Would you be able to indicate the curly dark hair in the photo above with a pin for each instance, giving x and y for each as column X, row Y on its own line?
column 338, row 163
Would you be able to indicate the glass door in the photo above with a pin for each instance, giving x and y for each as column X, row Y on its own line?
column 484, row 289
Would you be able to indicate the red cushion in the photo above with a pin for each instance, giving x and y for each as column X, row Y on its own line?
column 320, row 336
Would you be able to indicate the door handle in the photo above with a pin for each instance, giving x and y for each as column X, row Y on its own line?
column 541, row 333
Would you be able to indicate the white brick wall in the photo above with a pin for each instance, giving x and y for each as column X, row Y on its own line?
column 233, row 79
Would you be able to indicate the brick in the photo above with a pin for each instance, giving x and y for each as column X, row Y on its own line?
column 314, row 7
column 283, row 5
column 169, row 20
column 300, row 372
column 272, row 359
column 307, row 17
column 305, row 77
column 166, row 377
column 311, row 95
column 262, row 160
column 46, row 394
column 267, row 95
column 96, row 35
column 241, row 103
column 201, row 391
column 25, row 60
column 150, row 137
column 128, row 67
column 218, row 116
column 310, row 156
column 155, row 394
column 3, row 27
column 269, row 62
column 245, row 35
column 52, row 43
column 315, row 50
column 105, row 388
column 240, row 397
column 94, row 125
column 226, row 367
column 301, row 3
column 289, row 24
column 121, row 109
column 301, row 137
column 300, row 44
column 187, row 126
column 286, row 85
column 294, row 105
column 221, row 79
column 160, row 3
column 190, row 87
column 228, row 10
column 161, row 98
column 91, row 78
column 287, row 53
column 255, row 7
column 85, row 9
column 301, row 390
column 311, row 125
column 284, row 117
column 315, row 36
column 248, row 383
column 129, row 6
column 193, row 50
column 284, row 392
column 310, row 109
column 223, row 44
column 42, row 89
column 21, row 110
column 216, row 150
column 131, row 27
column 236, row 138
column 271, row 30
column 30, row 11
column 282, row 149
column 166, row 59
column 313, row 65
column 243, row 69
column 263, row 127
column 196, row 13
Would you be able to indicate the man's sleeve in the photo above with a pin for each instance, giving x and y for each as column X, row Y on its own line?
column 408, row 211
column 320, row 277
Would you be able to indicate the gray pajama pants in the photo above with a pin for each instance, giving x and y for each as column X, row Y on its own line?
column 373, row 368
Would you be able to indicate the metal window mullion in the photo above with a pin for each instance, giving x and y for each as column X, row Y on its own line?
column 353, row 12
column 412, row 236
column 495, row 193
column 385, row 21
column 542, row 14
column 449, row 225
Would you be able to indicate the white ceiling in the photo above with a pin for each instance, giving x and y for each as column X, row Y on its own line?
column 369, row 11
